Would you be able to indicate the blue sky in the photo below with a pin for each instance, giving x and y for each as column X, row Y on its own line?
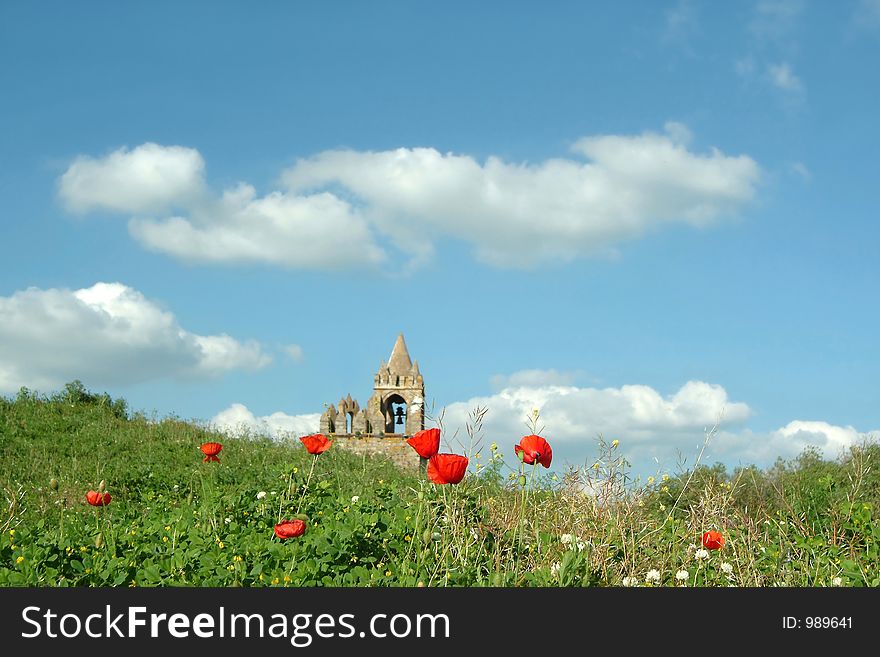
column 629, row 216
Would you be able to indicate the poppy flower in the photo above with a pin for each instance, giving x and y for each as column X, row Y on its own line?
column 426, row 442
column 712, row 540
column 211, row 450
column 316, row 443
column 290, row 528
column 95, row 498
column 535, row 448
column 447, row 468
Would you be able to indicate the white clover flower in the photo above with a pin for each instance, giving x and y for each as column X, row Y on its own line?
column 701, row 554
column 554, row 569
column 630, row 581
column 682, row 575
column 566, row 539
column 355, row 498
column 727, row 568
column 837, row 581
column 261, row 494
column 580, row 545
column 652, row 576
column 228, row 520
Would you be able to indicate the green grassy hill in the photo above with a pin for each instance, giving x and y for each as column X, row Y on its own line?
column 176, row 520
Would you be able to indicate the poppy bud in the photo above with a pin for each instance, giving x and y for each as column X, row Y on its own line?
column 522, row 480
column 102, row 486
column 53, row 483
column 99, row 540
column 427, row 535
column 189, row 498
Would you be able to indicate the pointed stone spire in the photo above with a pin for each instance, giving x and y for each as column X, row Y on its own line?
column 415, row 368
column 399, row 362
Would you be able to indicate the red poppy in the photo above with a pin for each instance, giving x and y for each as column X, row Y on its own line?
column 211, row 450
column 447, row 468
column 535, row 448
column 316, row 443
column 95, row 498
column 290, row 528
column 426, row 442
column 712, row 540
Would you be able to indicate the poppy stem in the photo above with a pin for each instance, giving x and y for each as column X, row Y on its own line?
column 308, row 480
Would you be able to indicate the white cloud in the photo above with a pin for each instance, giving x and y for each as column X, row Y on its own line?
column 340, row 204
column 295, row 352
column 783, row 78
column 238, row 420
column 147, row 179
column 318, row 231
column 802, row 170
column 536, row 378
column 523, row 214
column 680, row 22
column 108, row 334
column 746, row 447
column 656, row 432
column 648, row 424
column 774, row 20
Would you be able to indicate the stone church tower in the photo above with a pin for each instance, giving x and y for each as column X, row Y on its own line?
column 395, row 409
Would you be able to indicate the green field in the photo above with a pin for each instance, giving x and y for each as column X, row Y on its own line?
column 176, row 520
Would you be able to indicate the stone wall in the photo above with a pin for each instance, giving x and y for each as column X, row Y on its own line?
column 393, row 447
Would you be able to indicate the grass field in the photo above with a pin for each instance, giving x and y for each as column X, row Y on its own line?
column 176, row 520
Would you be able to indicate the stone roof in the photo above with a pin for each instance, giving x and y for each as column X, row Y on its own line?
column 399, row 362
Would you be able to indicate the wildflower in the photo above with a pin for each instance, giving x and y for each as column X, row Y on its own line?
column 220, row 544
column 164, row 539
column 355, row 498
column 554, row 569
column 573, row 541
column 261, row 494
column 712, row 540
column 534, row 448
column 665, row 477
column 237, row 557
column 650, row 480
column 316, row 444
column 615, row 443
column 53, row 483
column 287, row 578
column 211, row 450
column 95, row 498
column 290, row 529
column 494, row 446
column 701, row 554
column 682, row 575
column 652, row 576
column 837, row 581
column 426, row 442
column 726, row 568
column 19, row 559
column 447, row 468
column 630, row 581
